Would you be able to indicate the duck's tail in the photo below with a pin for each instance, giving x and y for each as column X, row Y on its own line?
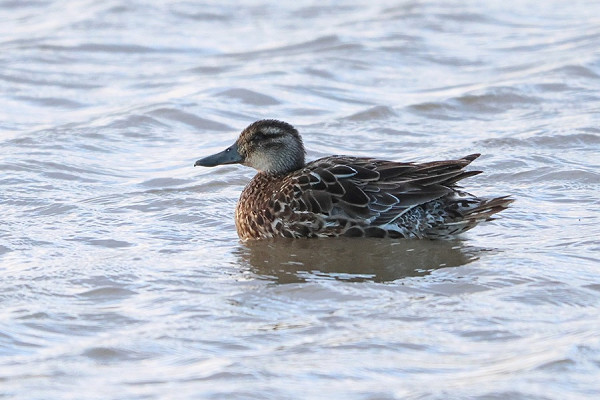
column 487, row 208
column 466, row 214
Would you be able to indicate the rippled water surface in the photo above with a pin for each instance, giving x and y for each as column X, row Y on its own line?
column 122, row 275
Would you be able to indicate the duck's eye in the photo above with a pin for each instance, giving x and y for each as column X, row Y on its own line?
column 273, row 145
column 258, row 137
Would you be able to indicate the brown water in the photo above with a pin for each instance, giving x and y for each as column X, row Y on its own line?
column 122, row 275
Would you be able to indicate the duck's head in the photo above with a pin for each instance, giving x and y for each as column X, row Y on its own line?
column 267, row 145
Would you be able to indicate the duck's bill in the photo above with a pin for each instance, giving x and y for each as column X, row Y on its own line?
column 228, row 156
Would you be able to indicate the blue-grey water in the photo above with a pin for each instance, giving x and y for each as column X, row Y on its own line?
column 121, row 274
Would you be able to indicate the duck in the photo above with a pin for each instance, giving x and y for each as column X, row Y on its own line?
column 347, row 196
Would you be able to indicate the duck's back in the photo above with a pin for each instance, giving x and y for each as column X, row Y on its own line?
column 352, row 196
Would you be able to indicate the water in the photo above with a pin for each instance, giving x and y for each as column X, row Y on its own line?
column 122, row 275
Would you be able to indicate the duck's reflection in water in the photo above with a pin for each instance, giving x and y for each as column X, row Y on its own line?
column 353, row 259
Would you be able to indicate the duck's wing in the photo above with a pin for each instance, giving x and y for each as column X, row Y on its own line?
column 373, row 191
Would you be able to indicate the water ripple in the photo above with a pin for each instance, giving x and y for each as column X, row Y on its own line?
column 122, row 271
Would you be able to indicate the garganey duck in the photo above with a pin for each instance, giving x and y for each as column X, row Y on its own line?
column 346, row 196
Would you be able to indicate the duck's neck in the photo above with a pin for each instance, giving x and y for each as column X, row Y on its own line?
column 284, row 167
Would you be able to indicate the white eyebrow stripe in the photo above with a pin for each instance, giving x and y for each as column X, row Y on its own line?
column 271, row 130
